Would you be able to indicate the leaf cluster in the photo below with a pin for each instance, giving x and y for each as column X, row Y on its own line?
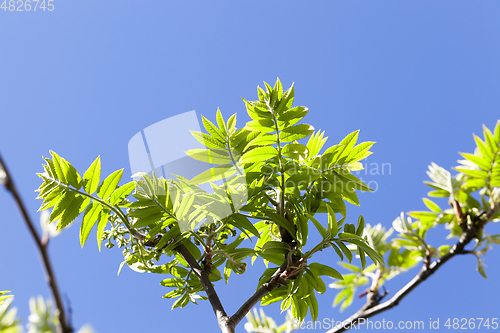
column 474, row 198
column 269, row 179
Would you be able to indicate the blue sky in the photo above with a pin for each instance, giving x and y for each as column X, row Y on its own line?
column 417, row 77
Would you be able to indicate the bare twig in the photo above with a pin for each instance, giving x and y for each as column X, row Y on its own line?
column 42, row 248
column 468, row 235
column 266, row 288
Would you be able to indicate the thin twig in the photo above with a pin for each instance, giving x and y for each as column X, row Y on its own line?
column 42, row 249
column 368, row 311
column 266, row 288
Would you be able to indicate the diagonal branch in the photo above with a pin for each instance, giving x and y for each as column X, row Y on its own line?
column 202, row 275
column 41, row 244
column 266, row 288
column 365, row 312
column 227, row 324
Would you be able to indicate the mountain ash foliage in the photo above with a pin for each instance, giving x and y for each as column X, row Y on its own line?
column 473, row 196
column 289, row 177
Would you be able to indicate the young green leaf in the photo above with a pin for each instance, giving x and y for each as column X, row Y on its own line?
column 101, row 225
column 332, row 222
column 109, row 184
column 71, row 211
column 361, row 226
column 295, row 132
column 432, row 206
column 243, row 222
column 259, row 154
column 91, row 177
column 121, row 193
column 90, row 217
column 213, row 130
column 320, row 269
column 221, row 123
column 58, row 167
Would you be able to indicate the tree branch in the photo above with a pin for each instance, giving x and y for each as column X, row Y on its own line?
column 266, row 288
column 202, row 275
column 370, row 310
column 228, row 324
column 42, row 248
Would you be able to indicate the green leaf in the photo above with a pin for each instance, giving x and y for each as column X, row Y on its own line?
column 261, row 125
column 103, row 220
column 427, row 217
column 484, row 149
column 361, row 226
column 207, row 140
column 294, row 150
column 181, row 302
column 242, row 221
column 90, row 217
column 315, row 143
column 257, row 110
column 348, row 142
column 214, row 174
column 362, row 257
column 58, row 167
column 350, row 267
column 371, row 253
column 150, row 217
column 337, row 250
column 122, row 192
column 213, row 130
column 277, row 247
column 52, row 196
column 345, row 250
column 91, row 177
column 168, row 236
column 259, row 154
column 274, row 296
column 63, row 201
column 293, row 115
column 312, row 302
column 109, row 184
column 302, row 229
column 315, row 281
column 173, row 282
column 221, row 123
column 185, row 206
column 231, row 123
column 295, row 132
column 318, row 225
column 71, row 211
column 3, row 298
column 263, row 140
column 320, row 269
column 282, row 222
column 490, row 139
column 474, row 173
column 70, row 174
column 359, row 152
column 212, row 156
column 346, row 180
column 432, row 206
column 332, row 222
column 479, row 161
column 481, row 271
column 497, row 132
